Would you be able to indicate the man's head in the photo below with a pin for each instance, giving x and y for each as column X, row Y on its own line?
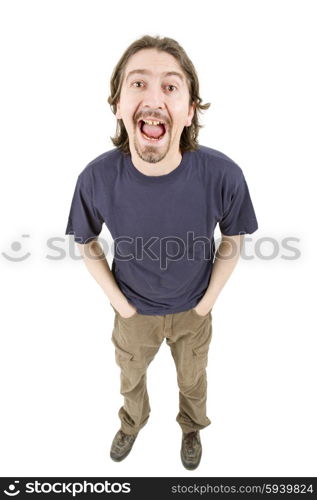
column 155, row 81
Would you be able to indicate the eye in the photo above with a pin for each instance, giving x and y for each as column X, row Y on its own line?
column 133, row 84
column 172, row 86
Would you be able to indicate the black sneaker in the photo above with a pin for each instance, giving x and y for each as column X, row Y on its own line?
column 191, row 450
column 121, row 445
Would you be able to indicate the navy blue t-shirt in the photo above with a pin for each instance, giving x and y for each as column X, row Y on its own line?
column 162, row 226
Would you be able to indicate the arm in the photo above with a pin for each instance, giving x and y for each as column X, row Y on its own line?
column 226, row 259
column 96, row 263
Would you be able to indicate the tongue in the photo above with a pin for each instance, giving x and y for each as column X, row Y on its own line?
column 154, row 131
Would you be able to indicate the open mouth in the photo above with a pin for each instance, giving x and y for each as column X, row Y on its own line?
column 152, row 131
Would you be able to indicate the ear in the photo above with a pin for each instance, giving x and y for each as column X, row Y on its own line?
column 118, row 112
column 191, row 113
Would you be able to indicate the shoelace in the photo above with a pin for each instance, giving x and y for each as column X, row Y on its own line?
column 125, row 437
column 191, row 439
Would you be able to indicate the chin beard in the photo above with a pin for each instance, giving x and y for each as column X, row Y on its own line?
column 151, row 155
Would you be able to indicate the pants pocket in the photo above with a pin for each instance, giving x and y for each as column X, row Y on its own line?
column 129, row 318
column 199, row 315
column 121, row 317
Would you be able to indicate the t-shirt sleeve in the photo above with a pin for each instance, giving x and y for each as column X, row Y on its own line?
column 239, row 215
column 84, row 221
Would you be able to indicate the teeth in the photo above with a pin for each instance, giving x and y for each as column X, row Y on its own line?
column 152, row 122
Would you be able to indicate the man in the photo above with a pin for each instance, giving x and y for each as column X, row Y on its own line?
column 161, row 195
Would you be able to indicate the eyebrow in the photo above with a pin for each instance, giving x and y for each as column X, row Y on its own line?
column 147, row 72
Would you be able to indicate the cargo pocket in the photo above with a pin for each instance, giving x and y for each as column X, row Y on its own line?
column 122, row 356
column 200, row 352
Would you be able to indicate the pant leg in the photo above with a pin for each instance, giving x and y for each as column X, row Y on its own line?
column 137, row 340
column 189, row 342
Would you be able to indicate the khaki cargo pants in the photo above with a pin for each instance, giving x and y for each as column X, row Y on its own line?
column 137, row 339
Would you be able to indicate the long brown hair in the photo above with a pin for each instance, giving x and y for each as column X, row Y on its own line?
column 188, row 139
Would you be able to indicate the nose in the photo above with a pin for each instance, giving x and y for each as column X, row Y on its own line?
column 153, row 97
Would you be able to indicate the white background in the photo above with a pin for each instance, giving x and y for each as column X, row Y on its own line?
column 60, row 384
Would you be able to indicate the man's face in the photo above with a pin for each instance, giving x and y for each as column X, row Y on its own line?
column 149, row 93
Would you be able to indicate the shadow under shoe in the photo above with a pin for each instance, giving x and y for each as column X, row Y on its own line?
column 191, row 450
column 121, row 445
